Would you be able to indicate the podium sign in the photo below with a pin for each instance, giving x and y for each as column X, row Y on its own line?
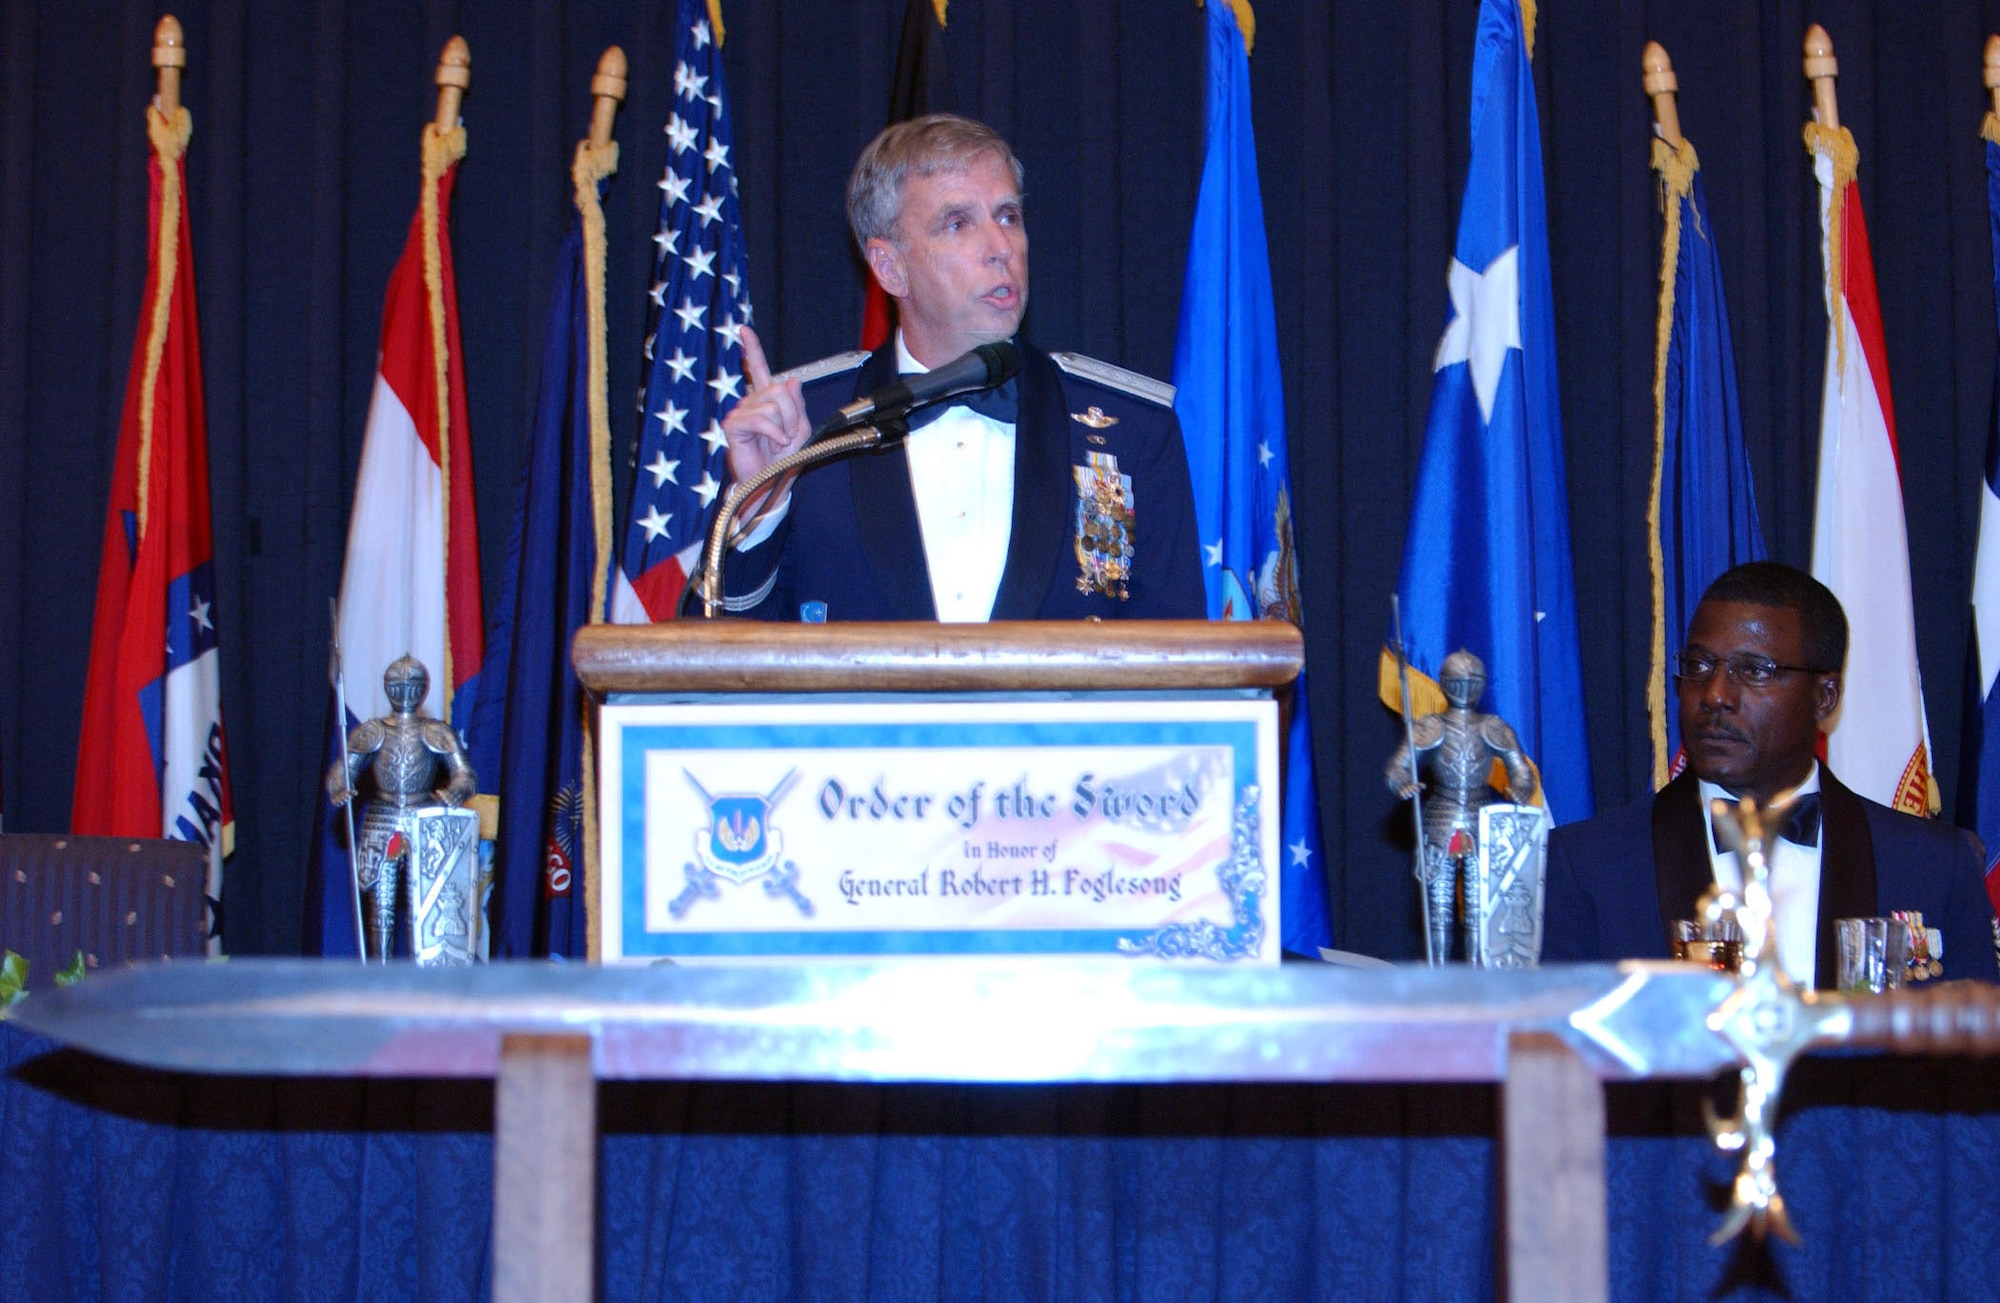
column 940, row 825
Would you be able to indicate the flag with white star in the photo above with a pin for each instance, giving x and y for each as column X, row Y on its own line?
column 700, row 302
column 1231, row 403
column 150, row 762
column 1486, row 562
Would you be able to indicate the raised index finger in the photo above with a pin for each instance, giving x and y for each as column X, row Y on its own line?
column 754, row 365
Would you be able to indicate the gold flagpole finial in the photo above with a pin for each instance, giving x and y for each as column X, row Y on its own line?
column 169, row 56
column 607, row 92
column 1661, row 88
column 1993, row 70
column 454, row 76
column 1821, row 69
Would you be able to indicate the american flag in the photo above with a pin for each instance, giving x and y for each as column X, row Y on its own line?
column 700, row 302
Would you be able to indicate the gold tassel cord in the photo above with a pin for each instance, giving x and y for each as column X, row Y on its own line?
column 1836, row 143
column 1528, row 26
column 1676, row 168
column 715, row 20
column 594, row 163
column 169, row 137
column 1989, row 127
column 442, row 149
column 1246, row 20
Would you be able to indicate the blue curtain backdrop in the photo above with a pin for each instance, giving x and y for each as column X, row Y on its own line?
column 131, row 1184
column 303, row 172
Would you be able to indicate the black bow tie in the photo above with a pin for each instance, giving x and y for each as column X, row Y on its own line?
column 1000, row 403
column 1801, row 827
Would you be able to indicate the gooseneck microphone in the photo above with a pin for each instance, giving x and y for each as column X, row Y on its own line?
column 982, row 368
column 864, row 423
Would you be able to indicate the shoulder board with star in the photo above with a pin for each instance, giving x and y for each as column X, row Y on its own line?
column 1116, row 377
column 826, row 366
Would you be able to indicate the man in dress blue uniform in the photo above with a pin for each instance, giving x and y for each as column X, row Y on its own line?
column 1063, row 494
column 1757, row 680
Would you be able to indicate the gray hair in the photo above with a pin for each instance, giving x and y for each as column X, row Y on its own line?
column 939, row 142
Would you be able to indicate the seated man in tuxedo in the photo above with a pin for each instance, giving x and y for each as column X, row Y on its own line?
column 1758, row 678
column 1065, row 496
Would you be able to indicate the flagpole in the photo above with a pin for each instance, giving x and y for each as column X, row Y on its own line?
column 1673, row 163
column 1416, row 797
column 607, row 91
column 169, row 56
column 1993, row 72
column 1821, row 69
column 1662, row 87
column 339, row 676
column 454, row 75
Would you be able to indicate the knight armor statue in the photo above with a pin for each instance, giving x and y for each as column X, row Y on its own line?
column 412, row 829
column 1457, row 748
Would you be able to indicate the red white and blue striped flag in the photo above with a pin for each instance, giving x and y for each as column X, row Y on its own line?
column 151, row 761
column 700, row 302
column 411, row 581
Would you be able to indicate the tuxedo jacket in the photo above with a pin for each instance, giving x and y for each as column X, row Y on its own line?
column 1616, row 882
column 853, row 541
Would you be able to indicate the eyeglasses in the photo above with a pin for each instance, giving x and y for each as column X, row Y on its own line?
column 1744, row 671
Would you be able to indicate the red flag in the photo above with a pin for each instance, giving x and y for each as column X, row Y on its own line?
column 151, row 759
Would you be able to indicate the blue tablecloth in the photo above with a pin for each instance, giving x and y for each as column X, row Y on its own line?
column 126, row 1184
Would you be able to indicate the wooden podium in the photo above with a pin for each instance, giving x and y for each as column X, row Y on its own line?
column 954, row 789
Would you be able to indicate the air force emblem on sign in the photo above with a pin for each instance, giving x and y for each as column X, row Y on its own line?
column 739, row 844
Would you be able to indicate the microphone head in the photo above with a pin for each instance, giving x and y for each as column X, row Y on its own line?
column 1003, row 361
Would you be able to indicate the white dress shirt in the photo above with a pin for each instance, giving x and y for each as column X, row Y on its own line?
column 1794, row 883
column 962, row 477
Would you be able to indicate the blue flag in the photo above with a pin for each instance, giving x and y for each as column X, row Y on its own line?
column 1231, row 404
column 1486, row 563
column 1706, row 504
column 1979, row 786
column 699, row 302
column 526, row 735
